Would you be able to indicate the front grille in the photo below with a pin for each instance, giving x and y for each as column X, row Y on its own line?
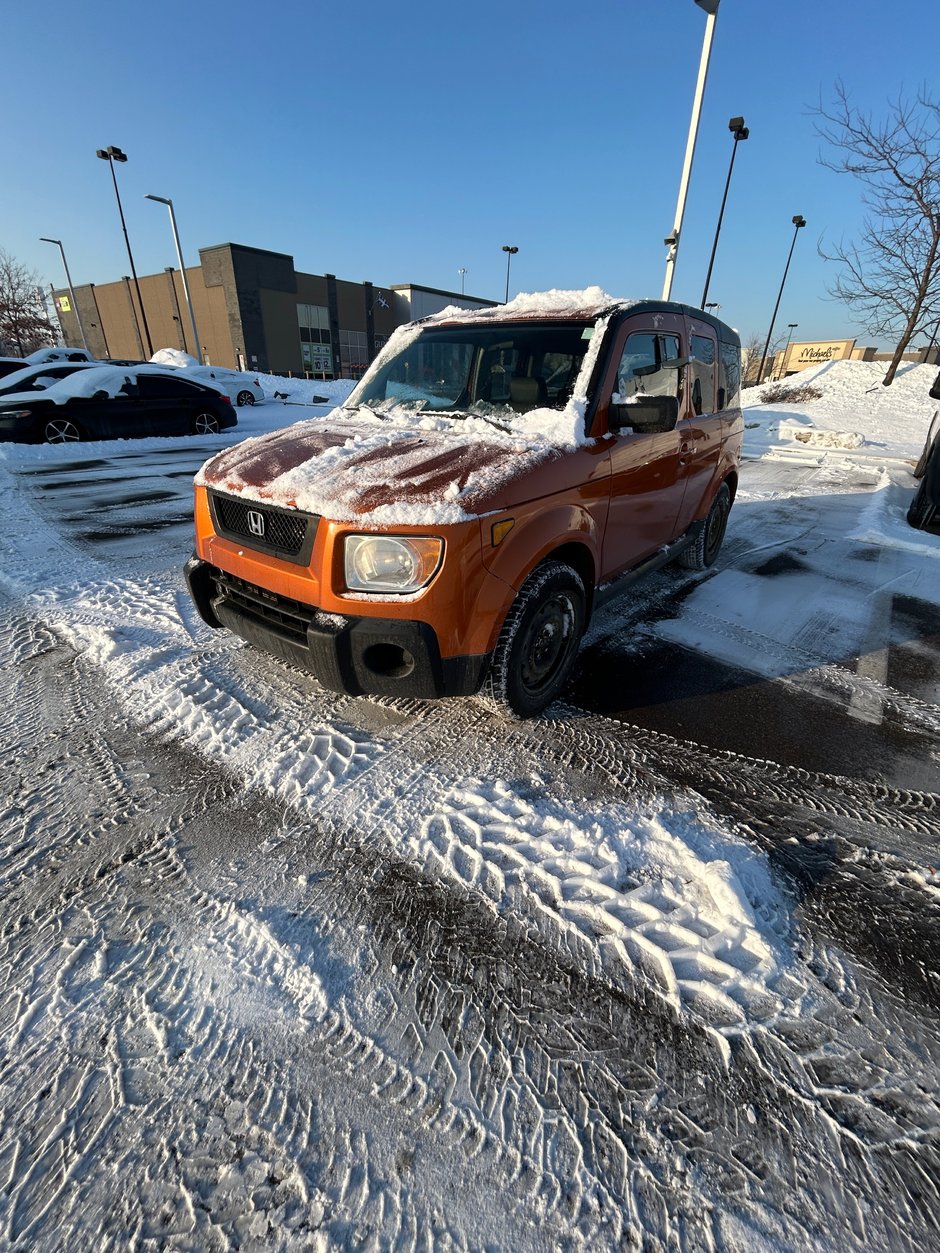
column 287, row 617
column 286, row 533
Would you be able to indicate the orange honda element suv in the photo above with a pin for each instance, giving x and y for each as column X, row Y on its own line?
column 495, row 476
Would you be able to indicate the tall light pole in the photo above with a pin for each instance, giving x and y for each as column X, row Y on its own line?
column 179, row 257
column 510, row 250
column 791, row 327
column 672, row 241
column 798, row 223
column 112, row 154
column 462, row 272
column 68, row 279
column 739, row 131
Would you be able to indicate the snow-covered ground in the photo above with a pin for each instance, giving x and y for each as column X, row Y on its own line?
column 287, row 969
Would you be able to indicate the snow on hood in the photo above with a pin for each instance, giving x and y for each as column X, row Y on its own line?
column 414, row 468
column 351, row 466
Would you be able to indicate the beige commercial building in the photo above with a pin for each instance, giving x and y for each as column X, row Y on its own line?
column 253, row 310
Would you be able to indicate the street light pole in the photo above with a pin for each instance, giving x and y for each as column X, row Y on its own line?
column 672, row 241
column 739, row 131
column 68, row 279
column 112, row 154
column 798, row 224
column 462, row 272
column 791, row 327
column 510, row 250
column 179, row 257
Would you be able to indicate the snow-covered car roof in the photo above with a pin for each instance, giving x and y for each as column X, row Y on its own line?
column 589, row 303
column 30, row 372
column 58, row 353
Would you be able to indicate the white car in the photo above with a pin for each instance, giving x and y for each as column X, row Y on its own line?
column 243, row 388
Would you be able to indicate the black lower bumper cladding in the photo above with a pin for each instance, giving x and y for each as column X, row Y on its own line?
column 359, row 656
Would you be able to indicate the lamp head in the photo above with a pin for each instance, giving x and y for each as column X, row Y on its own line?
column 111, row 154
column 798, row 220
column 510, row 248
column 159, row 199
column 710, row 6
column 44, row 240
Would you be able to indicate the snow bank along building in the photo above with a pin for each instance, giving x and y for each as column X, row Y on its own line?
column 254, row 311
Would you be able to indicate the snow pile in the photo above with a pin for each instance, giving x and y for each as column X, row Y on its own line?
column 174, row 357
column 894, row 420
column 302, row 391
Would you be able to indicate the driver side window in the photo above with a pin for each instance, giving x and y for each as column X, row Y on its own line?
column 643, row 369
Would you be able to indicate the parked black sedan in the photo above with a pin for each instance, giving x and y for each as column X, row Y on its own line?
column 114, row 402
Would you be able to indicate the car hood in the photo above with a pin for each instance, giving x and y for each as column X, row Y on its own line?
column 349, row 468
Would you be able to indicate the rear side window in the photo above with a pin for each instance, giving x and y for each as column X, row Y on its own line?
column 644, row 366
column 729, row 377
column 703, row 374
column 154, row 387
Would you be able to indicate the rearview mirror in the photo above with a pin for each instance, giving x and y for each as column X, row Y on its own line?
column 648, row 415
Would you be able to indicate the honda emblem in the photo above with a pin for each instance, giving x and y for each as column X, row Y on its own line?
column 256, row 523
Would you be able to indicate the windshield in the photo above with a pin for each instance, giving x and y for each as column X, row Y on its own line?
column 486, row 369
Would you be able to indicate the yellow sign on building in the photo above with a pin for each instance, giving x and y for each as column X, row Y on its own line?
column 64, row 304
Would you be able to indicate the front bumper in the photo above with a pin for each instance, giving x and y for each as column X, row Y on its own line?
column 359, row 656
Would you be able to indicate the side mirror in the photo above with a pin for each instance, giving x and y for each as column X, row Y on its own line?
column 648, row 415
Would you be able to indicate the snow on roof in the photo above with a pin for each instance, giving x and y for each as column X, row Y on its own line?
column 174, row 357
column 590, row 303
column 83, row 383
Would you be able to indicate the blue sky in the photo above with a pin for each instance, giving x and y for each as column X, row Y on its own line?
column 398, row 143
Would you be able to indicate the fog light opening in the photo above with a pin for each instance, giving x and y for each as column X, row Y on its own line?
column 389, row 660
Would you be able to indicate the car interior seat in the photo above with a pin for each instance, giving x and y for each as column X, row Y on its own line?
column 527, row 393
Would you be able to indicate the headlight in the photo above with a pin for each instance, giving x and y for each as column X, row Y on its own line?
column 391, row 563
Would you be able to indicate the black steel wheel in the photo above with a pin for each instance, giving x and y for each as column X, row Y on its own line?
column 703, row 550
column 539, row 642
column 206, row 424
column 60, row 431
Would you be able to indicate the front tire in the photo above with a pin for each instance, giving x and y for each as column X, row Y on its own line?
column 60, row 431
column 703, row 550
column 921, row 511
column 245, row 398
column 206, row 424
column 539, row 642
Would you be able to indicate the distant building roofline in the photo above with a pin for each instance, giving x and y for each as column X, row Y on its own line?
column 439, row 291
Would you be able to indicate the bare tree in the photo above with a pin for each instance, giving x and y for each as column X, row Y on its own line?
column 891, row 276
column 752, row 352
column 23, row 320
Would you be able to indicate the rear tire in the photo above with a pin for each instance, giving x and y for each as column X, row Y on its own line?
column 245, row 398
column 205, row 424
column 703, row 550
column 539, row 642
column 60, row 431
